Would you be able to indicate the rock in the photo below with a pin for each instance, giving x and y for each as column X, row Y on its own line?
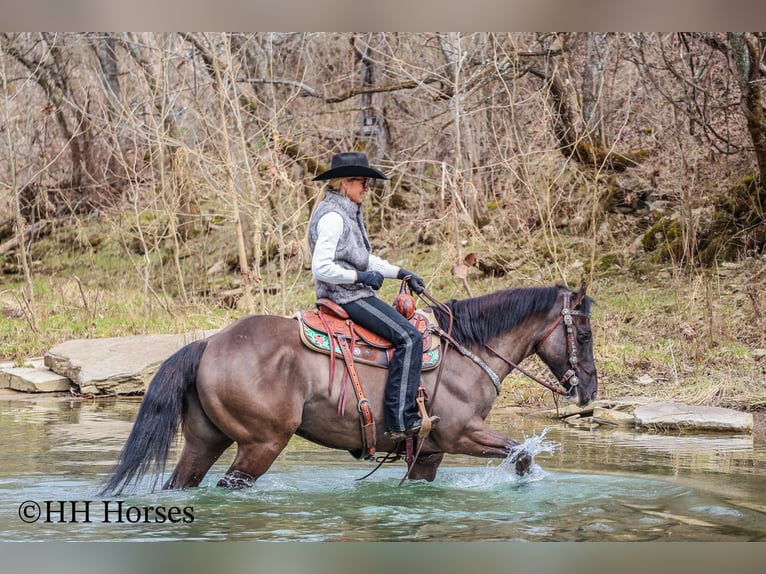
column 5, row 379
column 35, row 378
column 581, row 422
column 645, row 380
column 613, row 417
column 116, row 365
column 573, row 420
column 562, row 412
column 587, row 410
column 670, row 415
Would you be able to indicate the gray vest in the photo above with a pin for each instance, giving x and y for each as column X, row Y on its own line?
column 353, row 251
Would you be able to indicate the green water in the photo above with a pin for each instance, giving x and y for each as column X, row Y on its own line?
column 598, row 485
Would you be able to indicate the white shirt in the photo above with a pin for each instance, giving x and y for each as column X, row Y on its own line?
column 323, row 266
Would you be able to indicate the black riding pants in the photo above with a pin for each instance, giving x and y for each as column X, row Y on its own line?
column 400, row 409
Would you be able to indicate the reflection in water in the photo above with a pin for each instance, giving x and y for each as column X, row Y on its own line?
column 589, row 485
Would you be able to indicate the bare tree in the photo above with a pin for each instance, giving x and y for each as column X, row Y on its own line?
column 486, row 135
column 748, row 51
column 50, row 59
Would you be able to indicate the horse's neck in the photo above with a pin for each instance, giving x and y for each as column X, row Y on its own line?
column 515, row 345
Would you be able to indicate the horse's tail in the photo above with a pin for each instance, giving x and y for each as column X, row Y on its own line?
column 156, row 425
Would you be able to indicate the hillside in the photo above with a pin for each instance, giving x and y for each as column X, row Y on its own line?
column 154, row 183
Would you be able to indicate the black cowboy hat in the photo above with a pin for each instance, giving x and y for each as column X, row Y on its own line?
column 350, row 164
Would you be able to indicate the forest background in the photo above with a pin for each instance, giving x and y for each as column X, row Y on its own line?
column 161, row 182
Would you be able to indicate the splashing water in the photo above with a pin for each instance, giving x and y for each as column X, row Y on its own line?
column 505, row 472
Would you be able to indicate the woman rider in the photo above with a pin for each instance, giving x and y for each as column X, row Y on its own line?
column 346, row 272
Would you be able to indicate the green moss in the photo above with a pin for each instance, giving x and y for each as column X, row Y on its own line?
column 608, row 261
column 736, row 225
column 666, row 239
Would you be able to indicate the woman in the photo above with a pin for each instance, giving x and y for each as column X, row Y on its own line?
column 346, row 272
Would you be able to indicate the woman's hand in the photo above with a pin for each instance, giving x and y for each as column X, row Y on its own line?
column 372, row 278
column 415, row 283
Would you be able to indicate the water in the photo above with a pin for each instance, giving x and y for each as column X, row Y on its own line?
column 600, row 485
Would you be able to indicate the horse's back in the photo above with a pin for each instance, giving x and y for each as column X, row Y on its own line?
column 251, row 347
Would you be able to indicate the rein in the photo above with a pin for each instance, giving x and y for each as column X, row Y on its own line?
column 566, row 317
column 523, row 371
column 570, row 376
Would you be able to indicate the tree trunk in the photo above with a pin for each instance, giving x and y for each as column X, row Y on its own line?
column 575, row 144
column 746, row 51
column 105, row 48
column 592, row 91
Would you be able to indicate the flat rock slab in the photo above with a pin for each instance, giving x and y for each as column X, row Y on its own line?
column 4, row 378
column 32, row 378
column 669, row 415
column 571, row 409
column 115, row 365
column 613, row 417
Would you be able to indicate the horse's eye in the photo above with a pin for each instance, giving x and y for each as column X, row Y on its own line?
column 584, row 336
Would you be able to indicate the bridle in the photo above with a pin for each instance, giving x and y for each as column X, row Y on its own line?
column 566, row 317
column 570, row 376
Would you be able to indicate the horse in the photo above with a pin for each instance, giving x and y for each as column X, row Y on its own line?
column 256, row 384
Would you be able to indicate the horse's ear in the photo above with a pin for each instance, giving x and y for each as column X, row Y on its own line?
column 579, row 295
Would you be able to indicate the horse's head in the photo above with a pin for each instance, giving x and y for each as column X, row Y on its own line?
column 567, row 347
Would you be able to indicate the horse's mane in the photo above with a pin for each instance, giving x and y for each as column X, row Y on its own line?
column 478, row 320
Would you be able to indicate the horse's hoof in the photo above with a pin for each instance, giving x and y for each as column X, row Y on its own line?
column 236, row 480
column 523, row 463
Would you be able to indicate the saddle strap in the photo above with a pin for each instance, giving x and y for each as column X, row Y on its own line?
column 363, row 405
column 332, row 351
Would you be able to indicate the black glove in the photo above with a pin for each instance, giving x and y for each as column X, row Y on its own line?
column 414, row 282
column 372, row 278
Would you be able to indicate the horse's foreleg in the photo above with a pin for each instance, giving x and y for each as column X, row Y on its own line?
column 425, row 466
column 477, row 439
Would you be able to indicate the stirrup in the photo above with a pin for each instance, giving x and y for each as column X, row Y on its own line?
column 416, row 429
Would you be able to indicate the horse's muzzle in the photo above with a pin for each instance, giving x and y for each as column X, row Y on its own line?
column 577, row 393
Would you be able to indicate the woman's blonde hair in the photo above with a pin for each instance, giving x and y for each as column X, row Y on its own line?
column 334, row 183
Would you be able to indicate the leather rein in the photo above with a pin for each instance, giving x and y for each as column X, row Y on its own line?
column 570, row 375
column 566, row 318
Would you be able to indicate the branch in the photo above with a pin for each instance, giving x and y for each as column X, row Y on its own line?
column 13, row 243
column 292, row 149
column 309, row 91
column 574, row 145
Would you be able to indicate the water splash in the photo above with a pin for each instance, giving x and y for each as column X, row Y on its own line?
column 505, row 472
column 533, row 445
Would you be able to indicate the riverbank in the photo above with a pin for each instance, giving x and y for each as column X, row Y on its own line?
column 10, row 395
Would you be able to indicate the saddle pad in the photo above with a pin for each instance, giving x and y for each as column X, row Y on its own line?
column 376, row 353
